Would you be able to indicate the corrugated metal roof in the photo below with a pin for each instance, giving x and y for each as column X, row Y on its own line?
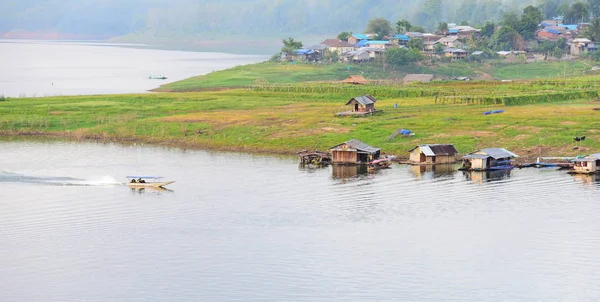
column 360, row 36
column 595, row 155
column 363, row 99
column 358, row 145
column 491, row 152
column 436, row 149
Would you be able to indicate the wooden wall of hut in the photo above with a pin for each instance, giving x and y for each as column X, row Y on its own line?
column 445, row 159
column 344, row 157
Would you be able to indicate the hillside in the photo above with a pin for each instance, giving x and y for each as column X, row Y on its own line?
column 246, row 20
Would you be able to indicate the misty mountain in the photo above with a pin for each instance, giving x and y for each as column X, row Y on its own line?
column 222, row 18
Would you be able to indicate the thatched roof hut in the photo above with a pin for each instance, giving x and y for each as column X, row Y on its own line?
column 356, row 79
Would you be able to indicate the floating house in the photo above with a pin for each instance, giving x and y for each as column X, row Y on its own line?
column 361, row 105
column 354, row 152
column 433, row 154
column 586, row 165
column 488, row 159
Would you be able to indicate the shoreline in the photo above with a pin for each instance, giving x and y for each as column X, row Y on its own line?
column 173, row 143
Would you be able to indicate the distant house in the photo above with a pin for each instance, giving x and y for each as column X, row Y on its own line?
column 414, row 35
column 488, row 159
column 353, row 152
column 400, row 39
column 553, row 33
column 463, row 31
column 425, row 78
column 339, row 46
column 582, row 45
column 433, row 154
column 356, row 56
column 456, row 53
column 306, row 55
column 354, row 38
column 378, row 44
column 361, row 105
column 355, row 79
column 588, row 165
column 429, row 47
column 451, row 42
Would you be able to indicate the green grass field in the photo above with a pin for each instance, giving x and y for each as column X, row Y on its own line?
column 285, row 120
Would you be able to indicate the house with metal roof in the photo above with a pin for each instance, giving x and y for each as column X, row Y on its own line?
column 354, row 152
column 361, row 105
column 433, row 154
column 355, row 38
column 488, row 159
column 587, row 165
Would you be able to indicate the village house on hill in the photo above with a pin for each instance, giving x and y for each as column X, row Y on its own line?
column 339, row 46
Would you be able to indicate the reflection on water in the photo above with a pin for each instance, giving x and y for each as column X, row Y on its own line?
column 346, row 172
column 151, row 190
column 242, row 227
column 588, row 179
column 433, row 171
column 486, row 176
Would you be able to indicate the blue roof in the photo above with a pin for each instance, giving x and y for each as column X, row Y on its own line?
column 378, row 42
column 569, row 26
column 362, row 43
column 304, row 51
column 360, row 36
column 453, row 31
column 553, row 31
column 401, row 37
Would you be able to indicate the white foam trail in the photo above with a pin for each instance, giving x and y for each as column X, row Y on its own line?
column 101, row 181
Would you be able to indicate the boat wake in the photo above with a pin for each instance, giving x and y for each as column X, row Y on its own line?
column 9, row 177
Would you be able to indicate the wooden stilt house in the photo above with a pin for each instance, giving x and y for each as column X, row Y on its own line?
column 433, row 154
column 354, row 152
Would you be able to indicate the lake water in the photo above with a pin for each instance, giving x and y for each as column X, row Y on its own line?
column 238, row 227
column 44, row 68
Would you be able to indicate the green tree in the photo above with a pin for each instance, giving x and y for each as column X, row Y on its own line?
column 531, row 18
column 548, row 7
column 511, row 19
column 343, row 36
column 379, row 26
column 464, row 23
column 488, row 29
column 506, row 38
column 594, row 8
column 402, row 56
column 419, row 29
column 438, row 49
column 416, row 44
column 403, row 26
column 431, row 13
column 578, row 12
column 290, row 46
column 592, row 32
column 443, row 26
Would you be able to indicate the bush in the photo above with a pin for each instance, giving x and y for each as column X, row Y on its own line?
column 3, row 98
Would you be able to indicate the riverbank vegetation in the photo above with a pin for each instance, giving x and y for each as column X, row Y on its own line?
column 540, row 117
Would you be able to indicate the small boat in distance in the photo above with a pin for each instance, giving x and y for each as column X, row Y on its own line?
column 147, row 181
column 379, row 164
column 157, row 77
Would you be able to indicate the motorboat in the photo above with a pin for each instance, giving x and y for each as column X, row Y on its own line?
column 147, row 181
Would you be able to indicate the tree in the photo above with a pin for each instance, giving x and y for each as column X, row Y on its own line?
column 594, row 8
column 416, row 44
column 438, row 49
column 464, row 23
column 507, row 38
column 548, row 7
column 578, row 12
column 443, row 27
column 379, row 26
column 402, row 56
column 430, row 13
column 403, row 26
column 510, row 19
column 488, row 29
column 343, row 36
column 419, row 29
column 592, row 32
column 531, row 18
column 290, row 46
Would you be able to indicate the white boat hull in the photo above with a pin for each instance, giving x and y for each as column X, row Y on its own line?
column 149, row 184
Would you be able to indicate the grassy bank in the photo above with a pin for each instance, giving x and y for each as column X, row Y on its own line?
column 284, row 119
column 291, row 73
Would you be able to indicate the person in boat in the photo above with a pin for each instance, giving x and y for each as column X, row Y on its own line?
column 133, row 180
column 140, row 180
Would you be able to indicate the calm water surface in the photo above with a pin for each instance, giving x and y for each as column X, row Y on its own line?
column 45, row 68
column 237, row 227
